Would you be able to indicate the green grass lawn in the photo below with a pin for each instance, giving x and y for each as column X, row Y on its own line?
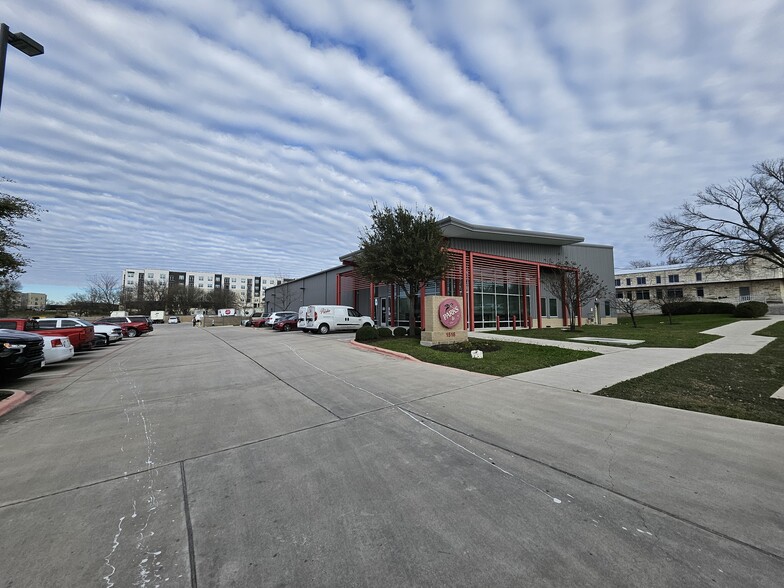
column 655, row 330
column 510, row 358
column 737, row 386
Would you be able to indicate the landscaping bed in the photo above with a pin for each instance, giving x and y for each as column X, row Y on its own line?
column 655, row 330
column 500, row 358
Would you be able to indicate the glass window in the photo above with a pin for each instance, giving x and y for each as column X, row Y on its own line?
column 352, row 312
column 131, row 273
column 553, row 307
column 641, row 281
column 619, row 294
column 628, row 281
column 606, row 308
column 617, row 281
column 643, row 295
column 658, row 279
column 674, row 278
column 201, row 278
column 699, row 276
column 700, row 293
column 149, row 275
column 47, row 323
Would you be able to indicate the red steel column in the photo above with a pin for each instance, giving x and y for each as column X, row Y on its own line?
column 471, row 289
column 579, row 309
column 337, row 289
column 564, row 306
column 539, row 296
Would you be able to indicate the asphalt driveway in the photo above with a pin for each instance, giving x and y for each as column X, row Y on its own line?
column 240, row 457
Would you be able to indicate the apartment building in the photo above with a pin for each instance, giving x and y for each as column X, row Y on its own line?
column 756, row 280
column 248, row 288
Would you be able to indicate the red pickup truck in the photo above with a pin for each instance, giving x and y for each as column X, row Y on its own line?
column 82, row 338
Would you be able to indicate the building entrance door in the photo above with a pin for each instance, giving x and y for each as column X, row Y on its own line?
column 381, row 312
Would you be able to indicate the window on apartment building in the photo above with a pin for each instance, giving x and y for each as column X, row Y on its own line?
column 234, row 279
column 641, row 281
column 659, row 293
column 698, row 276
column 674, row 278
column 628, row 281
column 163, row 276
column 617, row 281
column 149, row 275
column 131, row 273
column 201, row 278
column 629, row 295
column 700, row 293
column 234, row 286
column 658, row 279
column 619, row 294
column 675, row 293
column 643, row 294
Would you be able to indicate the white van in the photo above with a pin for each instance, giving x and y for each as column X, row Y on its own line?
column 325, row 318
column 301, row 312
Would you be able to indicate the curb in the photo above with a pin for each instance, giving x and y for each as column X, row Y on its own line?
column 17, row 398
column 389, row 352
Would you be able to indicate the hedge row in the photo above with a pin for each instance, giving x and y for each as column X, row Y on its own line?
column 373, row 333
column 752, row 309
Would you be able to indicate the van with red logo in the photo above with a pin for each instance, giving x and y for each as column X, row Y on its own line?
column 324, row 318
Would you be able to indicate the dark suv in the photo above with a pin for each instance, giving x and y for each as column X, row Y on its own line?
column 21, row 353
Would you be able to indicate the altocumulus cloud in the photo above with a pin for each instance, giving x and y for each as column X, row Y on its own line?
column 252, row 136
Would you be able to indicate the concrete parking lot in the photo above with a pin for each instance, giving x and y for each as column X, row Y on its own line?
column 242, row 457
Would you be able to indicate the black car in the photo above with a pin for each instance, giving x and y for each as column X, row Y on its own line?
column 21, row 353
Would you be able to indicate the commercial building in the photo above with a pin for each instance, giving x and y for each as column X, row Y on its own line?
column 501, row 275
column 249, row 289
column 756, row 280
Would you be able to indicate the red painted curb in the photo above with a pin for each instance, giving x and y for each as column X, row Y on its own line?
column 10, row 403
column 397, row 354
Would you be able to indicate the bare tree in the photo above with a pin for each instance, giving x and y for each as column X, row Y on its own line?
column 104, row 289
column 220, row 298
column 630, row 305
column 668, row 303
column 735, row 223
column 284, row 293
column 10, row 290
column 640, row 263
column 574, row 285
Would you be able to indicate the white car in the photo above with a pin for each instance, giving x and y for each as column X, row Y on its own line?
column 173, row 320
column 57, row 349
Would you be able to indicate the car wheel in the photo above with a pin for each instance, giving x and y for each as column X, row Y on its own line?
column 367, row 325
column 323, row 328
column 132, row 333
column 286, row 327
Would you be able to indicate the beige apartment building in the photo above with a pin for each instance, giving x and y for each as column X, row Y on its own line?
column 756, row 280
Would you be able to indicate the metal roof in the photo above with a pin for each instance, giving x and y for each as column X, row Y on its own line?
column 453, row 227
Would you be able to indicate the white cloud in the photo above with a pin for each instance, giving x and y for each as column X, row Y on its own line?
column 241, row 137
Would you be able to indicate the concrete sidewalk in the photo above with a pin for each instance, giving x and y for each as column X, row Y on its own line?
column 591, row 375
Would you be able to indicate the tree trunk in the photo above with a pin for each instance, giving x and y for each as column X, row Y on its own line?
column 411, row 312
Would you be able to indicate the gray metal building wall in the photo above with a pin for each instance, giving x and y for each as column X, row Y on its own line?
column 320, row 287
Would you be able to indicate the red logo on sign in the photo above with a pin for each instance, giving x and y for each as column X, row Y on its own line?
column 449, row 313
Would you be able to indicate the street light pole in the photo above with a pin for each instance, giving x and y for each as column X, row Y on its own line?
column 22, row 42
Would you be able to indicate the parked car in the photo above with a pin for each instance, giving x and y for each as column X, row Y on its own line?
column 285, row 324
column 325, row 318
column 82, row 337
column 57, row 349
column 112, row 332
column 21, row 353
column 280, row 315
column 134, row 328
column 141, row 317
column 260, row 321
column 248, row 322
column 156, row 316
column 173, row 320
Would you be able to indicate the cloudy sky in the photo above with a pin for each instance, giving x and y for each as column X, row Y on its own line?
column 252, row 136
